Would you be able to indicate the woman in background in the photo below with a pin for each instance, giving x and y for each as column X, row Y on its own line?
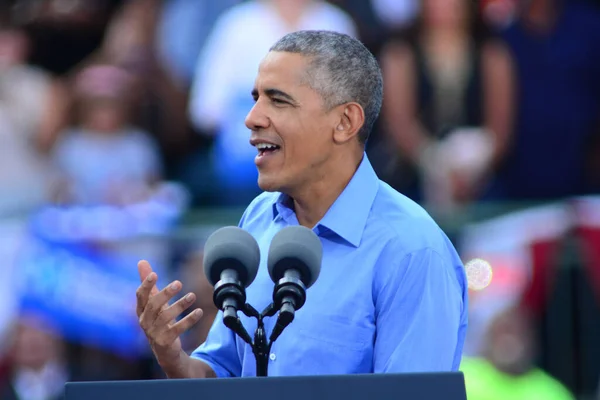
column 104, row 158
column 441, row 87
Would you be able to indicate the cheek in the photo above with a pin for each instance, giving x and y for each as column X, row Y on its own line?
column 304, row 149
column 305, row 139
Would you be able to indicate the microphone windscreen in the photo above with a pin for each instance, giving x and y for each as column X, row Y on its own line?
column 295, row 247
column 231, row 248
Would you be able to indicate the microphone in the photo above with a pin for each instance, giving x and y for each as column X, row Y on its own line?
column 231, row 260
column 294, row 263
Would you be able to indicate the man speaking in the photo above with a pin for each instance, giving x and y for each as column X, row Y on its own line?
column 391, row 295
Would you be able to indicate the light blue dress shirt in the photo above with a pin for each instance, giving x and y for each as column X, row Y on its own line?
column 391, row 295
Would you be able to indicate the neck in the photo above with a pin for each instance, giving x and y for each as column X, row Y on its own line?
column 312, row 201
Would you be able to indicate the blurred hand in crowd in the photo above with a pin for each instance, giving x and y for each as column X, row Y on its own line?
column 455, row 167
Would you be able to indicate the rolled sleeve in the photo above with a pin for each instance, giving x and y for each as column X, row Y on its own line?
column 420, row 314
column 219, row 351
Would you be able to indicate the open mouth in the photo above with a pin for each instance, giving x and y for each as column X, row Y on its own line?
column 266, row 149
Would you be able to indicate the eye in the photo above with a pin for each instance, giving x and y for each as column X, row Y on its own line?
column 279, row 102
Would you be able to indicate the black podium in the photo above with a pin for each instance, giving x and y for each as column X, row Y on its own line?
column 429, row 386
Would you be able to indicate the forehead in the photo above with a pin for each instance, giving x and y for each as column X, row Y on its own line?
column 281, row 69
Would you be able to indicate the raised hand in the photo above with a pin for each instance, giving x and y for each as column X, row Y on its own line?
column 158, row 319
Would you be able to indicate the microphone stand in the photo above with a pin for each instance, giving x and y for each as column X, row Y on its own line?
column 261, row 347
column 289, row 295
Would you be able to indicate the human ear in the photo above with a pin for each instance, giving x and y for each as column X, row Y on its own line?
column 351, row 119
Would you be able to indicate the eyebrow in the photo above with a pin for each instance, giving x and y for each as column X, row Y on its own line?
column 275, row 93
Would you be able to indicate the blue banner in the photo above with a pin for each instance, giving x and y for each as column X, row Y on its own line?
column 88, row 294
column 69, row 273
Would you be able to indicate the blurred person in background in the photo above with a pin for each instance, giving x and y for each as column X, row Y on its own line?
column 507, row 370
column 377, row 19
column 555, row 49
column 182, row 30
column 68, row 35
column 396, row 14
column 38, row 369
column 498, row 13
column 226, row 70
column 445, row 115
column 103, row 158
column 63, row 32
column 33, row 109
column 160, row 104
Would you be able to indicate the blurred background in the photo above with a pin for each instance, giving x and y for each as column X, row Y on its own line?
column 122, row 138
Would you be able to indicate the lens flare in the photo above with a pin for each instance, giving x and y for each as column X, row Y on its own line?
column 479, row 274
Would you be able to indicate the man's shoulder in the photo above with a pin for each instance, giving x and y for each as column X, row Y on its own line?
column 411, row 235
column 407, row 224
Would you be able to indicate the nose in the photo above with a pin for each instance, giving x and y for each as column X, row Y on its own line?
column 256, row 118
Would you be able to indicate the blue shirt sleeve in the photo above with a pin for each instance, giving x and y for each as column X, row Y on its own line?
column 420, row 311
column 219, row 350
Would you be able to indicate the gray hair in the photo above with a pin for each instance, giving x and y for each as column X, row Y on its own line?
column 341, row 70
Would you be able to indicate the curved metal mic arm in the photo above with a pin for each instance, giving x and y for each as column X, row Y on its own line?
column 288, row 296
column 261, row 347
column 236, row 325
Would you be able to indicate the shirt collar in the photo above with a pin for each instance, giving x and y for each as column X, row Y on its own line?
column 348, row 215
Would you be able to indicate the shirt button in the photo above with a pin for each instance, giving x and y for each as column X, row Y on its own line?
column 273, row 357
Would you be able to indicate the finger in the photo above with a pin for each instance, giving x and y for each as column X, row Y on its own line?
column 158, row 302
column 144, row 269
column 170, row 313
column 186, row 323
column 145, row 291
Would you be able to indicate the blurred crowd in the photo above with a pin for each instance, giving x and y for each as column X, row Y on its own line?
column 117, row 117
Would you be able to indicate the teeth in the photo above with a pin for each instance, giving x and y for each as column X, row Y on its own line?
column 265, row 146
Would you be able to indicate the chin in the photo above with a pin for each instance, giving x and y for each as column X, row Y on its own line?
column 268, row 184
